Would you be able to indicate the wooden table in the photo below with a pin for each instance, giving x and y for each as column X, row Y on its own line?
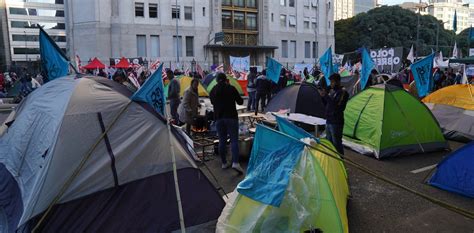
column 252, row 118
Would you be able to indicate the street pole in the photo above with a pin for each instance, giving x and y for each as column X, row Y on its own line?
column 418, row 30
column 177, row 37
column 437, row 37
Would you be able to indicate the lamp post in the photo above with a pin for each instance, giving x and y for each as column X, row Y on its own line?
column 193, row 66
column 26, row 49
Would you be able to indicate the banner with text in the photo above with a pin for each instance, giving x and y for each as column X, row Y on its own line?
column 133, row 61
column 241, row 64
column 387, row 59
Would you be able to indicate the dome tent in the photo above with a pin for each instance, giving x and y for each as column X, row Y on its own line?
column 126, row 184
column 385, row 121
column 456, row 173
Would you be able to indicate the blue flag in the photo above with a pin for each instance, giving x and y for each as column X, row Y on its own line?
column 289, row 128
column 422, row 71
column 273, row 158
column 326, row 65
column 367, row 66
column 273, row 69
column 152, row 92
column 455, row 21
column 53, row 60
column 471, row 35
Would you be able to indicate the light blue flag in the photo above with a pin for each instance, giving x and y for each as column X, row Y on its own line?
column 53, row 60
column 291, row 129
column 152, row 92
column 326, row 65
column 367, row 67
column 422, row 71
column 273, row 158
column 273, row 69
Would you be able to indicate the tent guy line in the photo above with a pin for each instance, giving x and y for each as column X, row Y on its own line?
column 424, row 169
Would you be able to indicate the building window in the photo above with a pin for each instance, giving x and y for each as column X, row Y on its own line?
column 329, row 24
column 291, row 3
column 306, row 3
column 31, row 24
column 315, row 49
column 239, row 3
column 22, row 37
column 155, row 46
column 306, row 23
column 226, row 20
column 36, row 12
column 139, row 9
column 292, row 21
column 271, row 16
column 226, row 2
column 251, row 21
column 282, row 2
column 313, row 23
column 283, row 21
column 177, row 45
column 307, row 49
column 251, row 4
column 284, row 48
column 26, row 50
column 153, row 10
column 141, row 45
column 189, row 46
column 175, row 14
column 203, row 12
column 293, row 49
column 188, row 13
column 239, row 20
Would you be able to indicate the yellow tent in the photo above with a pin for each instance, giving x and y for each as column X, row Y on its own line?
column 185, row 82
column 460, row 95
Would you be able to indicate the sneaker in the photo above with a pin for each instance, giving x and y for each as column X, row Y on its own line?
column 238, row 168
column 225, row 165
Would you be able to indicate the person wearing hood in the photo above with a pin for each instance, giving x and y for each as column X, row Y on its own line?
column 188, row 109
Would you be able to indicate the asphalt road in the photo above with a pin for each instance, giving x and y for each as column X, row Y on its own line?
column 376, row 206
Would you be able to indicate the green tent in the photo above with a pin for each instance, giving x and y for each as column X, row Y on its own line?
column 232, row 81
column 385, row 121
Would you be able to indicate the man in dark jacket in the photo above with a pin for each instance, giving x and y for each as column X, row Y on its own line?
column 174, row 90
column 223, row 98
column 335, row 102
column 264, row 87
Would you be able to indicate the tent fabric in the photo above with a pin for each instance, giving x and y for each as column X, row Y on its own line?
column 208, row 79
column 185, row 83
column 350, row 84
column 232, row 81
column 456, row 123
column 385, row 121
column 460, row 95
column 456, row 173
column 315, row 197
column 123, row 64
column 301, row 98
column 243, row 85
column 41, row 148
column 94, row 64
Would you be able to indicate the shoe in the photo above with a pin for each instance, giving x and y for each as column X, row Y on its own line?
column 225, row 165
column 238, row 168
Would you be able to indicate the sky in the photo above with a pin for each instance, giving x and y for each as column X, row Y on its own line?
column 395, row 2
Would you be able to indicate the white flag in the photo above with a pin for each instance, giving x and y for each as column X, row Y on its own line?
column 464, row 76
column 440, row 57
column 411, row 56
column 455, row 50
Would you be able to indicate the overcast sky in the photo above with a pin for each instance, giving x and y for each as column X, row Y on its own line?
column 395, row 2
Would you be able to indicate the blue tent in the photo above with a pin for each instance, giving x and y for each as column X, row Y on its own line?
column 456, row 173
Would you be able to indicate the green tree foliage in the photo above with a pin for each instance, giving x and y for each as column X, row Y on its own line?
column 463, row 42
column 391, row 26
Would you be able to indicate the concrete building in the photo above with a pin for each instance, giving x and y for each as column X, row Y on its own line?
column 22, row 18
column 415, row 7
column 4, row 42
column 444, row 10
column 361, row 6
column 147, row 28
column 343, row 9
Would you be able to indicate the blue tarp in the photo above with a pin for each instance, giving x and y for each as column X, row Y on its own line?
column 456, row 172
column 273, row 157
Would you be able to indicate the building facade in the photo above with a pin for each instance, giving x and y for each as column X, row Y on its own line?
column 444, row 10
column 22, row 19
column 343, row 9
column 148, row 28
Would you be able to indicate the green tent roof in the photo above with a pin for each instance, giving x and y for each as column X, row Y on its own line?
column 232, row 81
column 385, row 120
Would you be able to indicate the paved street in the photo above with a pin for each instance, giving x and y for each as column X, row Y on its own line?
column 375, row 206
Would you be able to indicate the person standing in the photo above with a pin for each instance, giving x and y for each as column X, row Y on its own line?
column 251, row 88
column 223, row 98
column 188, row 109
column 335, row 102
column 263, row 86
column 174, row 91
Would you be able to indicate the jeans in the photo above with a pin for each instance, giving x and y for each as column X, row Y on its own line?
column 260, row 97
column 334, row 135
column 174, row 104
column 228, row 127
column 251, row 101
